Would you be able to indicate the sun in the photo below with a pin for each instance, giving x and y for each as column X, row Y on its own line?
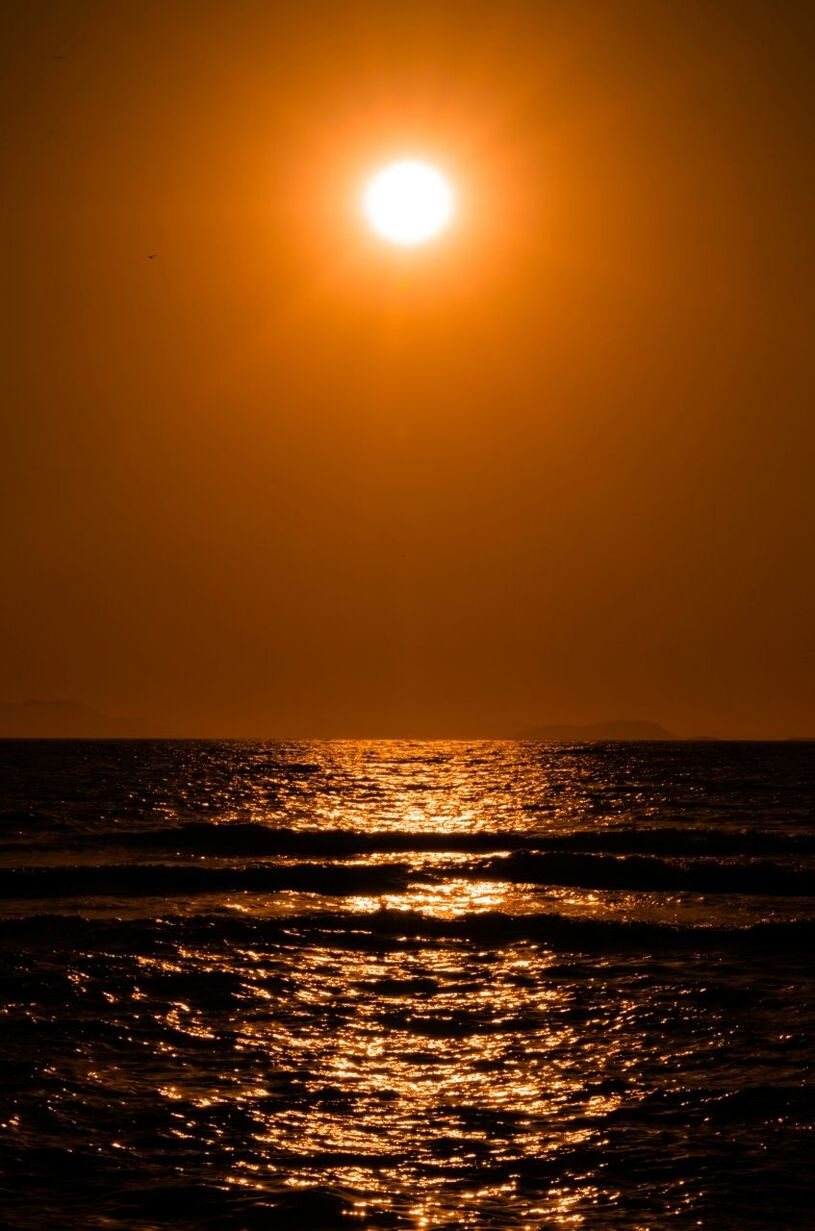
column 408, row 202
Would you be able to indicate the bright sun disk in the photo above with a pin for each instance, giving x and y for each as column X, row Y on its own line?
column 408, row 202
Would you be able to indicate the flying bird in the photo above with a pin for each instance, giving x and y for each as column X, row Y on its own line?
column 151, row 256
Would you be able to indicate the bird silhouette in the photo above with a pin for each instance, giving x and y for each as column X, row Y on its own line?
column 151, row 256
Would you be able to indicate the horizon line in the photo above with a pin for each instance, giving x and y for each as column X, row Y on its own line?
column 414, row 739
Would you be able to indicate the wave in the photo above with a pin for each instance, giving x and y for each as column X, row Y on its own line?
column 396, row 929
column 645, row 872
column 254, row 838
column 564, row 870
column 609, row 872
column 156, row 880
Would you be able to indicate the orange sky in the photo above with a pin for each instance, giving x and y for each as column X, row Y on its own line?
column 285, row 480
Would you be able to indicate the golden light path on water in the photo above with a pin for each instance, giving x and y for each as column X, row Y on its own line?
column 474, row 1063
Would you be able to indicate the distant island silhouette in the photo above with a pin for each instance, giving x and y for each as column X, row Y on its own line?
column 35, row 719
column 626, row 729
column 68, row 719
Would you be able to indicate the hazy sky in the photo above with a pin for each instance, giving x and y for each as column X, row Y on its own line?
column 285, row 480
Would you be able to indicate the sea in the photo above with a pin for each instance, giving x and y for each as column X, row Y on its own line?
column 324, row 985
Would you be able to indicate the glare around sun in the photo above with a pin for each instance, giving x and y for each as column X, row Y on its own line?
column 408, row 202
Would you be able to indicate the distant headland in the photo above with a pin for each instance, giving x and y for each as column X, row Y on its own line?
column 68, row 720
column 588, row 732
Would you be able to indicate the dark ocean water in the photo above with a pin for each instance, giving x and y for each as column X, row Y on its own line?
column 405, row 985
